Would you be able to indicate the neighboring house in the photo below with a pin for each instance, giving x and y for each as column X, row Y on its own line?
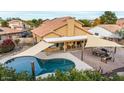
column 6, row 33
column 18, row 25
column 120, row 22
column 106, row 31
column 59, row 27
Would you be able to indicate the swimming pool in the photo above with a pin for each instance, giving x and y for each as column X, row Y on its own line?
column 41, row 66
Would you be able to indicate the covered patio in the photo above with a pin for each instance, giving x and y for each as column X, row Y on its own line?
column 66, row 43
column 94, row 42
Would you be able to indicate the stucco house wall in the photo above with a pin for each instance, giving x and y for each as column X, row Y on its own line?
column 62, row 31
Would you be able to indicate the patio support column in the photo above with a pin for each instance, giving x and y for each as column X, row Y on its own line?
column 33, row 71
column 114, row 54
column 82, row 52
column 75, row 44
column 65, row 46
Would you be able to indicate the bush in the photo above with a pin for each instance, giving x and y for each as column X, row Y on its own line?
column 9, row 74
column 4, row 23
column 75, row 75
column 6, row 46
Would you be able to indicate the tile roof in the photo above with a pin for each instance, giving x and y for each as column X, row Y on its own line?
column 7, row 30
column 111, row 27
column 50, row 25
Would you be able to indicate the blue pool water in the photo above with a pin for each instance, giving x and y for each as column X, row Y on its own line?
column 41, row 66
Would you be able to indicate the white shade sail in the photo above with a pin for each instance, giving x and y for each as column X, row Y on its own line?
column 94, row 41
column 35, row 49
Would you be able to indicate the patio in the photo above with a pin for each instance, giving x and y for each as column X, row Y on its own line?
column 95, row 62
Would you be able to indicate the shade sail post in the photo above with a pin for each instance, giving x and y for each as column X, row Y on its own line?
column 65, row 46
column 82, row 52
column 33, row 71
column 115, row 49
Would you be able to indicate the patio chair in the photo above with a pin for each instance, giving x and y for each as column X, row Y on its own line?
column 105, row 59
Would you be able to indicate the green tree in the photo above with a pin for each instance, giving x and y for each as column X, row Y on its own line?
column 34, row 22
column 4, row 23
column 108, row 18
column 85, row 22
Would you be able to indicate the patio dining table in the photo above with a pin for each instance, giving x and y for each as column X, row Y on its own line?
column 103, row 53
column 100, row 52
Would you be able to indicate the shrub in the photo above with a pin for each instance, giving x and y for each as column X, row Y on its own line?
column 9, row 74
column 75, row 75
column 6, row 46
column 4, row 23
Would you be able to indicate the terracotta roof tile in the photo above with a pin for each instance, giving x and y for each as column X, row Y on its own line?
column 50, row 25
column 111, row 27
column 7, row 30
